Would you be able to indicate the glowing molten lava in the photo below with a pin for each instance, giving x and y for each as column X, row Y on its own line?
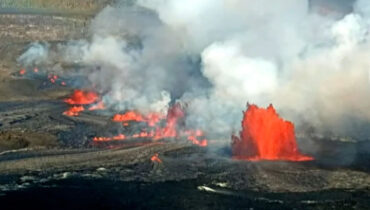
column 266, row 136
column 155, row 159
column 128, row 116
column 74, row 111
column 151, row 119
column 82, row 97
column 52, row 78
column 22, row 71
column 193, row 135
column 116, row 138
column 158, row 130
column 174, row 114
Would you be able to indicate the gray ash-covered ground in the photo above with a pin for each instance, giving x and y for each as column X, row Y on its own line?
column 78, row 193
column 188, row 177
column 49, row 161
column 50, row 153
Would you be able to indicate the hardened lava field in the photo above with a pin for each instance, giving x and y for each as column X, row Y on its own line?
column 64, row 145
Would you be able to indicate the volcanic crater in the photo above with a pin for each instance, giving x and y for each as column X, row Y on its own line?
column 55, row 157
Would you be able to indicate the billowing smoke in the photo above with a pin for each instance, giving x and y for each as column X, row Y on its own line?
column 217, row 55
column 310, row 64
column 36, row 54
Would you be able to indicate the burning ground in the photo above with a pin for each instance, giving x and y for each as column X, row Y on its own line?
column 146, row 112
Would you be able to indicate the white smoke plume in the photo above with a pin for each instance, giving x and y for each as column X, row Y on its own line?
column 313, row 67
column 217, row 55
column 141, row 63
column 36, row 54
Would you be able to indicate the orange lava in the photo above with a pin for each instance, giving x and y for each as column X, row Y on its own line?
column 174, row 114
column 81, row 97
column 201, row 143
column 266, row 136
column 193, row 135
column 152, row 118
column 52, row 78
column 74, row 111
column 155, row 158
column 119, row 137
column 128, row 116
column 171, row 128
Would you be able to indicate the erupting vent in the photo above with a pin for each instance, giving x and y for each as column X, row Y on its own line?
column 266, row 136
column 172, row 127
column 80, row 98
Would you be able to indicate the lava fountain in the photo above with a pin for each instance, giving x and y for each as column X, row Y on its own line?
column 266, row 136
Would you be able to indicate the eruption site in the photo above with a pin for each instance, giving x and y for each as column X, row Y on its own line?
column 141, row 104
column 158, row 125
column 79, row 98
column 82, row 97
column 151, row 118
column 266, row 136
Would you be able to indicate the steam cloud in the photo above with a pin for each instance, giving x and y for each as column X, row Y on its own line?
column 216, row 56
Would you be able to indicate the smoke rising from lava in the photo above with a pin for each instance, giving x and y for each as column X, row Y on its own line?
column 217, row 55
column 311, row 66
column 36, row 54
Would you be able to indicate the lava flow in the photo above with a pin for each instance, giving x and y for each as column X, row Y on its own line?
column 171, row 128
column 80, row 98
column 266, row 136
column 74, row 110
column 151, row 119
column 155, row 158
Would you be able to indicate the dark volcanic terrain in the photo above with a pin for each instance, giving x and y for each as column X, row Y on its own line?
column 49, row 161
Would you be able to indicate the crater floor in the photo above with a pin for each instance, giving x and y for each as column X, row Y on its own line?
column 48, row 159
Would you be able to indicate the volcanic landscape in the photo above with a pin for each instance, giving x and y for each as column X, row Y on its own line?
column 66, row 143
